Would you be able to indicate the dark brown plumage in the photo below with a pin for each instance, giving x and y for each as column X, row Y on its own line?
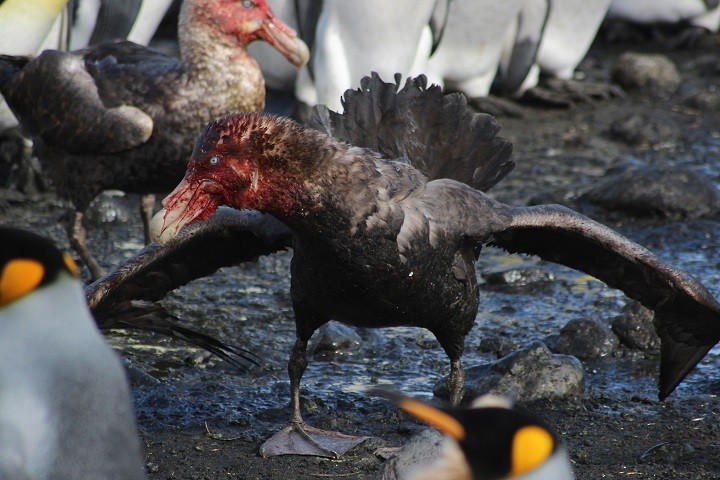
column 378, row 243
column 122, row 116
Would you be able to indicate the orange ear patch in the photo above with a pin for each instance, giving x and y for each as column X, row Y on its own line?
column 18, row 277
column 531, row 447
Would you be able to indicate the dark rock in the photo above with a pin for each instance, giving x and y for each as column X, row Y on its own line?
column 645, row 130
column 697, row 94
column 635, row 328
column 654, row 74
column 528, row 374
column 334, row 339
column 497, row 345
column 551, row 341
column 586, row 338
column 514, row 276
column 663, row 192
column 419, row 452
column 704, row 100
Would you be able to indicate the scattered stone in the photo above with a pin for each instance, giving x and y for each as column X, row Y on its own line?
column 111, row 206
column 698, row 95
column 664, row 192
column 705, row 101
column 551, row 341
column 333, row 340
column 422, row 450
column 528, row 374
column 497, row 345
column 635, row 328
column 654, row 74
column 516, row 276
column 586, row 338
column 645, row 130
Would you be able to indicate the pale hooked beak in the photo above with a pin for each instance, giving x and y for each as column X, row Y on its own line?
column 185, row 204
column 164, row 227
column 285, row 40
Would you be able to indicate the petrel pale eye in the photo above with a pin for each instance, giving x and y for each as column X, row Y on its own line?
column 214, row 160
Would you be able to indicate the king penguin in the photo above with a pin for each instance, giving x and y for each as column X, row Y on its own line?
column 65, row 406
column 489, row 441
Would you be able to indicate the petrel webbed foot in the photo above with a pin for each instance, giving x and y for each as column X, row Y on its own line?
column 302, row 439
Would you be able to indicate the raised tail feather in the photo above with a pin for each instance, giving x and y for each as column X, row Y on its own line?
column 435, row 131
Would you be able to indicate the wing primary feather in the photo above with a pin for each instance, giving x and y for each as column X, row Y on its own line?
column 687, row 316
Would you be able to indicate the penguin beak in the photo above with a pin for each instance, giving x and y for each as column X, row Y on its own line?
column 435, row 417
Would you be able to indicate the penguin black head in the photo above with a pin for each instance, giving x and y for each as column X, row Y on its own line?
column 496, row 442
column 29, row 261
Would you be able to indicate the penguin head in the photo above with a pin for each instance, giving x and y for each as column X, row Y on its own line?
column 495, row 442
column 29, row 261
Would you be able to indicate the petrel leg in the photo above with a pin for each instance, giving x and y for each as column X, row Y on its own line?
column 298, row 438
column 454, row 343
column 76, row 234
column 456, row 382
column 147, row 204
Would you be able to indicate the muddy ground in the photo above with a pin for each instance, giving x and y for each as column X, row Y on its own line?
column 201, row 419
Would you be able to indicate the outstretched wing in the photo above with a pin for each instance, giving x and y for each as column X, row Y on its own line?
column 687, row 316
column 227, row 238
column 436, row 132
column 124, row 298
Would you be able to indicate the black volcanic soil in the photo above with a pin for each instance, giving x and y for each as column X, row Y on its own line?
column 200, row 419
